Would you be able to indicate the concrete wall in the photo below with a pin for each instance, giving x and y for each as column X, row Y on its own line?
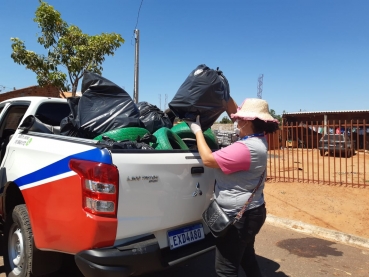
column 30, row 91
column 223, row 127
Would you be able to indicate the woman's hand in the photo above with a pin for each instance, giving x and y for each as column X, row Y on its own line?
column 194, row 126
column 205, row 152
column 231, row 108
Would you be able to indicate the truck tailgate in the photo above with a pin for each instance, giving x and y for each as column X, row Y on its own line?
column 160, row 190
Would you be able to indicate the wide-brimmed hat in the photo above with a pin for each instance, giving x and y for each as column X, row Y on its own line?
column 253, row 108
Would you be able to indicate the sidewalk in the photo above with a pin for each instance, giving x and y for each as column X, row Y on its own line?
column 312, row 230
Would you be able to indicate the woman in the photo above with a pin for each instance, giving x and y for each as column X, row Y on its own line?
column 238, row 169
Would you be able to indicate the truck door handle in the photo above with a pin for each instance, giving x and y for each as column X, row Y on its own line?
column 195, row 170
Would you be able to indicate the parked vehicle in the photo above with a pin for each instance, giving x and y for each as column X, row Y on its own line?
column 225, row 138
column 336, row 145
column 120, row 212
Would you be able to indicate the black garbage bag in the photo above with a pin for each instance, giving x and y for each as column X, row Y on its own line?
column 152, row 117
column 205, row 92
column 69, row 125
column 103, row 106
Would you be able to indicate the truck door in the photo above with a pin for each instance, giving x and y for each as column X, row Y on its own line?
column 9, row 123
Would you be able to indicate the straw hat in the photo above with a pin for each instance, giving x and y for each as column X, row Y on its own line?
column 253, row 108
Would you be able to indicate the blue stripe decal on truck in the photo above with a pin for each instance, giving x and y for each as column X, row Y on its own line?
column 62, row 166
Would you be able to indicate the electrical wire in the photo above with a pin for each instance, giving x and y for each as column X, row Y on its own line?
column 138, row 15
column 4, row 88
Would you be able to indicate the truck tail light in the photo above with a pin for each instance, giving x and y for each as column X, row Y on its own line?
column 100, row 183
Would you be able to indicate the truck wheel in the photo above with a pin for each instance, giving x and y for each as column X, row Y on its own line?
column 130, row 133
column 168, row 140
column 18, row 243
column 184, row 132
column 321, row 152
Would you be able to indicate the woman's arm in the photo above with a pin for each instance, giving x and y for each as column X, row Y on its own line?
column 205, row 152
column 231, row 108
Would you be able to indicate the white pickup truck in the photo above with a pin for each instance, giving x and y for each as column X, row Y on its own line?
column 120, row 212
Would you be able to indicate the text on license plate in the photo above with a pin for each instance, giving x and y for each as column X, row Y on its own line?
column 186, row 235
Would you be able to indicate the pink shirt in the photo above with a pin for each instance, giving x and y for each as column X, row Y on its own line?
column 241, row 166
column 235, row 157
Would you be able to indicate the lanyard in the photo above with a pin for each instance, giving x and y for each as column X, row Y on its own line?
column 252, row 135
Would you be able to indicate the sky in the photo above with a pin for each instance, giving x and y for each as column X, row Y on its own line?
column 313, row 54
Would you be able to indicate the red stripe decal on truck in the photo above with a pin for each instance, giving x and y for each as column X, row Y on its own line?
column 59, row 221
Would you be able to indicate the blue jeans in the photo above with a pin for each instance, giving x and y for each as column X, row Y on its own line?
column 237, row 246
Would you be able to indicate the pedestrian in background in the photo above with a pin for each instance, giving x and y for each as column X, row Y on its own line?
column 238, row 170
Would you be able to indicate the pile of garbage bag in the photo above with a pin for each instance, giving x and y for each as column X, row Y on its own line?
column 106, row 112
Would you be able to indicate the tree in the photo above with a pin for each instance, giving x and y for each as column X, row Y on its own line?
column 225, row 120
column 276, row 116
column 67, row 47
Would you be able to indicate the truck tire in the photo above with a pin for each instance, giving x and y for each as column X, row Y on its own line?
column 18, row 243
column 321, row 152
column 130, row 133
column 184, row 132
column 166, row 139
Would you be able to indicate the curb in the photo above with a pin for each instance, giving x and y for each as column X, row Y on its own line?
column 309, row 229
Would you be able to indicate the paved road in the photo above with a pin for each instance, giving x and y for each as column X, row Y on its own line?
column 283, row 252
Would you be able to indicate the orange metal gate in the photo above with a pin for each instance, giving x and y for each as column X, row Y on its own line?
column 294, row 153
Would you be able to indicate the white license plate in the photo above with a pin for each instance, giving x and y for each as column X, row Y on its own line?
column 186, row 235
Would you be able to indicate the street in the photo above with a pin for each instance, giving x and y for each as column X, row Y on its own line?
column 282, row 252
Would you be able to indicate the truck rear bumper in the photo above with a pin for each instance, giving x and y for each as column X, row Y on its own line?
column 137, row 258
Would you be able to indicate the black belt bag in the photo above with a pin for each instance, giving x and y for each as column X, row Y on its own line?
column 218, row 221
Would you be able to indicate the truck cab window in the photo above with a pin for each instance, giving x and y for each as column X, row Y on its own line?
column 52, row 113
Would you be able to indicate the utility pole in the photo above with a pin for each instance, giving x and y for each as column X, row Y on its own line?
column 160, row 101
column 165, row 102
column 260, row 86
column 137, row 48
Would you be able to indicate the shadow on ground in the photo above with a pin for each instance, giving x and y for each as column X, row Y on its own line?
column 309, row 247
column 204, row 266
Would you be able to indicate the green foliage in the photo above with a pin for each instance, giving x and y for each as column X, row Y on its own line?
column 276, row 116
column 67, row 47
column 225, row 120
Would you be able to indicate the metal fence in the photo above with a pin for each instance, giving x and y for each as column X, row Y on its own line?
column 296, row 153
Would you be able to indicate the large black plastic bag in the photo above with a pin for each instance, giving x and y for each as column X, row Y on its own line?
column 205, row 92
column 152, row 117
column 69, row 126
column 103, row 106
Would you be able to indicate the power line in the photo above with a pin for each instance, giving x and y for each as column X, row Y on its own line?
column 2, row 88
column 138, row 15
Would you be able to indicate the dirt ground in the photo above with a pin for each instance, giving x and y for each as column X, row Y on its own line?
column 340, row 208
column 295, row 164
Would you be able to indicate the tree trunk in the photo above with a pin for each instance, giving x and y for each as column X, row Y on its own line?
column 74, row 89
column 62, row 93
